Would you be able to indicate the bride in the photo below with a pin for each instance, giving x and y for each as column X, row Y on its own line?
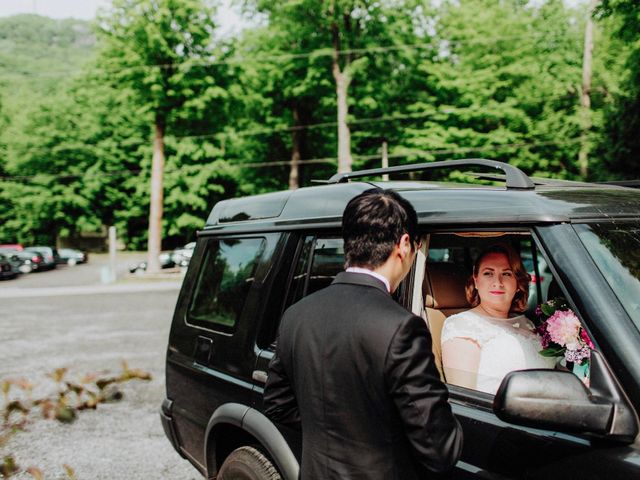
column 480, row 346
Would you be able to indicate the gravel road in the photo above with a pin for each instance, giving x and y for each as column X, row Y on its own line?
column 65, row 318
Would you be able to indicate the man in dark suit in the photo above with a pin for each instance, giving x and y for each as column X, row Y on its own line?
column 356, row 369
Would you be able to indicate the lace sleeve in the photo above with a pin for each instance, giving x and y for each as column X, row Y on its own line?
column 467, row 325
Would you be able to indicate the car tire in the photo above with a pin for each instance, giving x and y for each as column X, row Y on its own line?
column 247, row 463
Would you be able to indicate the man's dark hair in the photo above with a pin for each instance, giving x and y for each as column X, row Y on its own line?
column 372, row 223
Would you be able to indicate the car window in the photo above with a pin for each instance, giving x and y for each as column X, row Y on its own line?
column 615, row 249
column 327, row 261
column 299, row 277
column 224, row 281
column 320, row 260
column 317, row 261
column 449, row 266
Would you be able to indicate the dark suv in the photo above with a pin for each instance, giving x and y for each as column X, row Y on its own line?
column 258, row 255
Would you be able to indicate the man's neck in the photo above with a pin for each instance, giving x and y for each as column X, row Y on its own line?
column 373, row 273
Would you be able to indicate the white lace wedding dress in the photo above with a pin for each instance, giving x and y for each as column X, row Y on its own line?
column 505, row 345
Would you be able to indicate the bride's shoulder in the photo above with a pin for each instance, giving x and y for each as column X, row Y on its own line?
column 467, row 324
column 467, row 317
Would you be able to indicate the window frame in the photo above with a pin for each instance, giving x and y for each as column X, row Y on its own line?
column 300, row 238
column 269, row 244
column 462, row 395
column 402, row 295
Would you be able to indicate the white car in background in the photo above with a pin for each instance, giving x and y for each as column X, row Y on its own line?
column 182, row 256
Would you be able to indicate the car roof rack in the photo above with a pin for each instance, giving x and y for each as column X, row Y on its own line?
column 622, row 183
column 516, row 179
column 537, row 181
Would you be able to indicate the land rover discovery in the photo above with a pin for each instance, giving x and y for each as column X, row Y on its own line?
column 258, row 255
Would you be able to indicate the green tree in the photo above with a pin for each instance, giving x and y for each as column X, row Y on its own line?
column 342, row 29
column 276, row 93
column 40, row 56
column 38, row 60
column 620, row 144
column 70, row 159
column 387, row 91
column 157, row 48
column 504, row 82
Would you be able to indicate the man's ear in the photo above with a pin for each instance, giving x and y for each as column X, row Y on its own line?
column 404, row 245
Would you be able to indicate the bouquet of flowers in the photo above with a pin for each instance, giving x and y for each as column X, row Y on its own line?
column 562, row 335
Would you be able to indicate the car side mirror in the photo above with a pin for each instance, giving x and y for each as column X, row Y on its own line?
column 558, row 400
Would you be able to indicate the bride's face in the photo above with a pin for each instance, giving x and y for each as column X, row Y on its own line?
column 496, row 282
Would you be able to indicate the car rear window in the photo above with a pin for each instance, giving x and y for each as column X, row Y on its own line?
column 224, row 281
column 615, row 249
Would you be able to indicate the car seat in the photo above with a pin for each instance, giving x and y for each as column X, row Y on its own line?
column 444, row 296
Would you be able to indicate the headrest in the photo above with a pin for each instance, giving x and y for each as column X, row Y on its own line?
column 444, row 286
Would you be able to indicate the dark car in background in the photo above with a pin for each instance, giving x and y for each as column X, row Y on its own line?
column 71, row 256
column 258, row 255
column 49, row 254
column 8, row 270
column 164, row 259
column 25, row 261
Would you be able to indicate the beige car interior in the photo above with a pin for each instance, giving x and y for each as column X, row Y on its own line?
column 444, row 295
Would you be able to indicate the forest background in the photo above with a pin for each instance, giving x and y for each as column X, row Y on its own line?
column 314, row 85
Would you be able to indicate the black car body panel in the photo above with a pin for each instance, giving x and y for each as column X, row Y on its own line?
column 215, row 376
column 490, row 204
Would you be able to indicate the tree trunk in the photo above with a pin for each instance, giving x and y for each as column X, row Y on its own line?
column 385, row 160
column 344, row 134
column 154, row 244
column 294, row 172
column 342, row 80
column 585, row 100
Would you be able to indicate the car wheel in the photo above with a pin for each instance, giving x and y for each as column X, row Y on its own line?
column 247, row 463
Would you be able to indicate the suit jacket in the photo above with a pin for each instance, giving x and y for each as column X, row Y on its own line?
column 356, row 369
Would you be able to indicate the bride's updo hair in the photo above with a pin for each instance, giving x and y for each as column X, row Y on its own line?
column 519, row 302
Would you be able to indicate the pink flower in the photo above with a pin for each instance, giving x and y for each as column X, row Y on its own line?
column 563, row 328
column 585, row 338
column 577, row 356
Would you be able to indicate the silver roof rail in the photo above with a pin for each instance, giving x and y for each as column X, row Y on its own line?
column 515, row 178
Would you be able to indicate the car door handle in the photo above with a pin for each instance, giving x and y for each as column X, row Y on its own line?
column 259, row 376
column 204, row 347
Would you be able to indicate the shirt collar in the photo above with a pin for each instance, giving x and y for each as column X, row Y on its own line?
column 366, row 271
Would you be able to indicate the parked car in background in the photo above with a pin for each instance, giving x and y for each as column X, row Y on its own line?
column 165, row 262
column 72, row 256
column 49, row 254
column 7, row 269
column 25, row 261
column 182, row 256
